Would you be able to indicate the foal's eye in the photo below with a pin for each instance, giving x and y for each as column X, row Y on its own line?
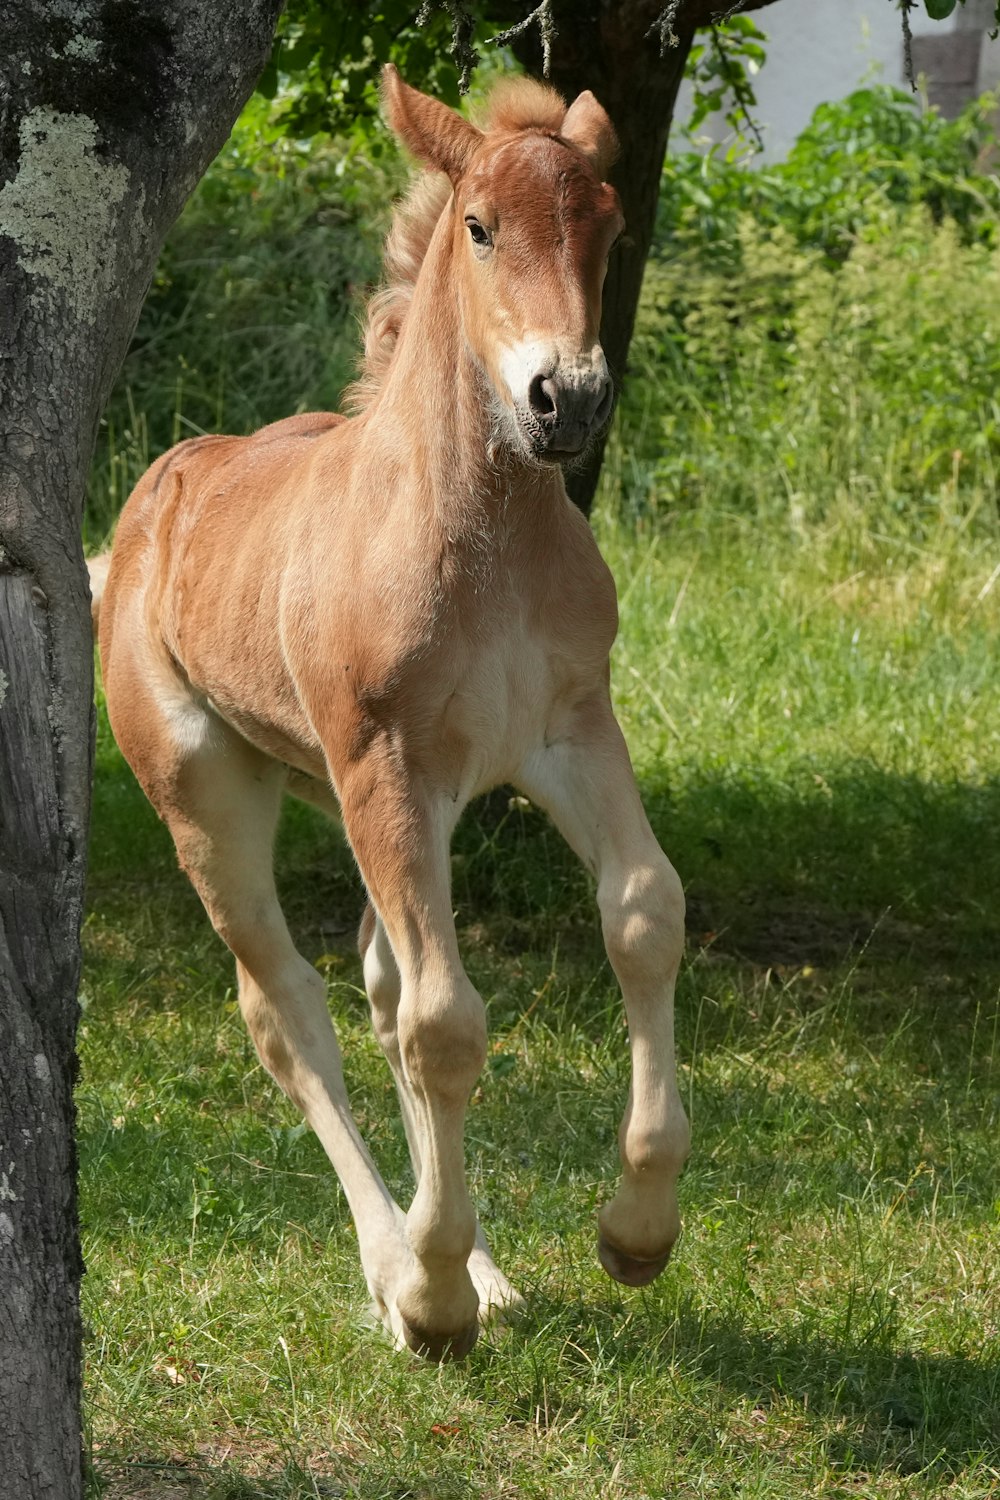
column 480, row 236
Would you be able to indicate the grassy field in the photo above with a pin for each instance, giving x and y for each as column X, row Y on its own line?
column 814, row 712
column 800, row 509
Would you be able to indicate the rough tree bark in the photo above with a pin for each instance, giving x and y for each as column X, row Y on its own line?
column 110, row 111
column 612, row 48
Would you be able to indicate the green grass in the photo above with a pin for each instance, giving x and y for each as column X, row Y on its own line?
column 806, row 551
column 815, row 719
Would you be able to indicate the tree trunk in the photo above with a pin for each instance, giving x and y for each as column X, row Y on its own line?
column 110, row 111
column 609, row 46
column 606, row 48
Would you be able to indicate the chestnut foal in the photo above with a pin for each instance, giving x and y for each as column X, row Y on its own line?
column 387, row 615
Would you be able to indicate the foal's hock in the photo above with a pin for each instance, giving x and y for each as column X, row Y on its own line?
column 387, row 615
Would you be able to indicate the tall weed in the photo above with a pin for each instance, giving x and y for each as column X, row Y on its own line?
column 253, row 310
column 816, row 342
column 796, row 387
column 824, row 333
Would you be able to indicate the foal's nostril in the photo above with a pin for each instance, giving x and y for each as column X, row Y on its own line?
column 541, row 396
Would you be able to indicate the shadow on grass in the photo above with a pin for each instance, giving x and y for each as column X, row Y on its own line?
column 879, row 1409
column 815, row 868
column 809, row 870
column 151, row 1478
column 812, row 869
column 872, row 1408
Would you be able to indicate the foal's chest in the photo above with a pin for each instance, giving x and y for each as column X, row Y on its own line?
column 518, row 678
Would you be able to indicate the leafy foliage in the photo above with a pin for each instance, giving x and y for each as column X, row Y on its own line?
column 826, row 326
column 856, row 161
column 253, row 311
column 721, row 68
column 323, row 72
column 940, row 10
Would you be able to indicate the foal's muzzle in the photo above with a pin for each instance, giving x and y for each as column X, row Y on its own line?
column 566, row 408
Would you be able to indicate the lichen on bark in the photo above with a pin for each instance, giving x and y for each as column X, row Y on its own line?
column 60, row 211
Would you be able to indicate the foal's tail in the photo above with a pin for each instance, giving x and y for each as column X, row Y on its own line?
column 97, row 567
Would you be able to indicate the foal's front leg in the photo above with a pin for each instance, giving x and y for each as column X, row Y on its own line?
column 401, row 837
column 585, row 782
column 383, row 986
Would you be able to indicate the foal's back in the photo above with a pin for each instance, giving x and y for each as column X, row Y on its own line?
column 188, row 612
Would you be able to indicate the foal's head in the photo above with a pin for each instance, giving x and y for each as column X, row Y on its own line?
column 532, row 222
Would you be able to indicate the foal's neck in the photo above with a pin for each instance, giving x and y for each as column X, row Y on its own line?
column 463, row 471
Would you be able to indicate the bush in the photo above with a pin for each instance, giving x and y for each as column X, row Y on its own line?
column 253, row 311
column 825, row 328
column 857, row 163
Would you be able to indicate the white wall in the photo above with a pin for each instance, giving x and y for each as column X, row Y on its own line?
column 819, row 50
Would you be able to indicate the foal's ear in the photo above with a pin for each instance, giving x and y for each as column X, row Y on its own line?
column 588, row 125
column 432, row 131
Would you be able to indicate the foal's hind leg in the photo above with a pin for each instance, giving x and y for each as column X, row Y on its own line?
column 382, row 983
column 221, row 798
column 585, row 781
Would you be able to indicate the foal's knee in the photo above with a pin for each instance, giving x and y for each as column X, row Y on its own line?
column 642, row 916
column 442, row 1041
column 442, row 1037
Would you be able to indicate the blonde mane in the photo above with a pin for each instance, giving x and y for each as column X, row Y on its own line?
column 413, row 224
column 513, row 104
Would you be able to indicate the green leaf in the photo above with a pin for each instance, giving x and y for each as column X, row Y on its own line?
column 939, row 10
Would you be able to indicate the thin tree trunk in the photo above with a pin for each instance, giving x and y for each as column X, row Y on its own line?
column 108, row 117
column 612, row 48
column 607, row 48
column 642, row 119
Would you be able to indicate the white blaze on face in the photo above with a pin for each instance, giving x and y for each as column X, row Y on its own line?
column 520, row 364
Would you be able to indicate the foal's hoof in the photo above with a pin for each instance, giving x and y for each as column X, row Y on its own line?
column 440, row 1348
column 628, row 1269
